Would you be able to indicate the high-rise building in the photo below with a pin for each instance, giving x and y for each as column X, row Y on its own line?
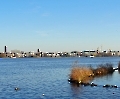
column 5, row 49
column 38, row 50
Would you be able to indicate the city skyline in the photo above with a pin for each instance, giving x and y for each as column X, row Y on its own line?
column 38, row 50
column 63, row 25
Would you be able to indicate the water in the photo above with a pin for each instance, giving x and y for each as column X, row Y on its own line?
column 46, row 78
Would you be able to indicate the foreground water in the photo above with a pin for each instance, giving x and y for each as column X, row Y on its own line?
column 46, row 78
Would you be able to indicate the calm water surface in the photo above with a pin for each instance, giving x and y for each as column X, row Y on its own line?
column 46, row 78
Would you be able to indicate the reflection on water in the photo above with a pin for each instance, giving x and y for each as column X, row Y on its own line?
column 76, row 90
column 119, row 71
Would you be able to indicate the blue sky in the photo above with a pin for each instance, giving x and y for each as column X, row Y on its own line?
column 59, row 25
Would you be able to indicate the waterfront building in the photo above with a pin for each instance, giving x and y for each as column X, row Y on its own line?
column 2, row 55
column 5, row 49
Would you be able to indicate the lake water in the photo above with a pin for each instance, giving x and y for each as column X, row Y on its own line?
column 47, row 78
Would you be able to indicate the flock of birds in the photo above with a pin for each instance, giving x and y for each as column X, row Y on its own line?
column 93, row 84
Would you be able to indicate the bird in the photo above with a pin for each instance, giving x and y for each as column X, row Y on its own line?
column 92, row 84
column 106, row 86
column 114, row 86
column 16, row 88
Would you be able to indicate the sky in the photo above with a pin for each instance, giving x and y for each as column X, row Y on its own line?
column 59, row 25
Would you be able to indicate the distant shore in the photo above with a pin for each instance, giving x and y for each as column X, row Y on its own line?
column 87, row 53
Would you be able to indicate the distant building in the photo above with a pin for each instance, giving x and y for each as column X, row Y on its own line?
column 5, row 50
column 16, row 51
column 38, row 50
column 2, row 55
